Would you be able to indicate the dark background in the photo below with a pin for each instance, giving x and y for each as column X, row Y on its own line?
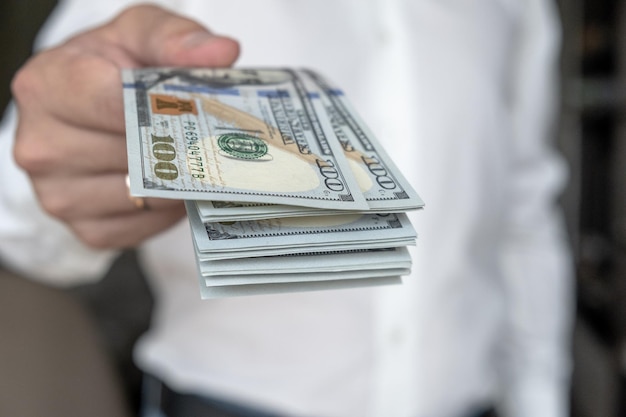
column 592, row 137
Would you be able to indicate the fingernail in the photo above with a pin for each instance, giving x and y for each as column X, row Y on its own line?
column 194, row 39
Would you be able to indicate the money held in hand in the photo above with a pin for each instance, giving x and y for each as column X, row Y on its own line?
column 261, row 144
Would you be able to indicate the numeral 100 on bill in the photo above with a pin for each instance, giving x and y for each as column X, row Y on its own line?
column 165, row 153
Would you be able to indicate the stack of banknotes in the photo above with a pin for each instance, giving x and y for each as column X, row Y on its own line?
column 286, row 188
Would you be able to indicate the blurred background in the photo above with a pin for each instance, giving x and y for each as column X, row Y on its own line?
column 592, row 137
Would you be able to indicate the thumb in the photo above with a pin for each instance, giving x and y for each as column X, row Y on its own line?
column 153, row 36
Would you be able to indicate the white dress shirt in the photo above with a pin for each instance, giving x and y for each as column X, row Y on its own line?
column 461, row 94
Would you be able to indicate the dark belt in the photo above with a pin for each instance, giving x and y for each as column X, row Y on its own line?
column 484, row 413
column 175, row 404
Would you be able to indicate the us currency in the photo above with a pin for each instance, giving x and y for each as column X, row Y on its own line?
column 327, row 262
column 296, row 235
column 223, row 211
column 253, row 279
column 210, row 292
column 308, row 198
column 329, row 266
column 385, row 188
column 253, row 135
column 380, row 180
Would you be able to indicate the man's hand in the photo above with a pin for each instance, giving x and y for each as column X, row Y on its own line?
column 70, row 136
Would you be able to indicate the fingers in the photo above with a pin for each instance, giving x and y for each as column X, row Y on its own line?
column 70, row 135
column 125, row 231
column 154, row 36
column 101, row 214
column 78, row 88
column 97, row 197
column 48, row 146
column 79, row 82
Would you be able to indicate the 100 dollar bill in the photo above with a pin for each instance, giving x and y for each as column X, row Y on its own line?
column 210, row 292
column 298, row 235
column 382, row 183
column 323, row 262
column 234, row 135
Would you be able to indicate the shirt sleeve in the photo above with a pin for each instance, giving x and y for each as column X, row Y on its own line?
column 535, row 258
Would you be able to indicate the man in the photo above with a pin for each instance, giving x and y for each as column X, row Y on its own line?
column 459, row 93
